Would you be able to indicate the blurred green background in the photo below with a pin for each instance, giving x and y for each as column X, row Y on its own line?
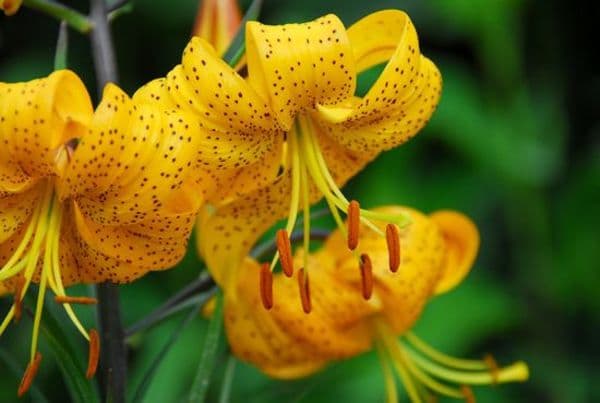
column 514, row 144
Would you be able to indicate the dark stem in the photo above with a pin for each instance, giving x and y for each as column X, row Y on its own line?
column 113, row 359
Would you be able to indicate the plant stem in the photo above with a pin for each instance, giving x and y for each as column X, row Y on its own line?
column 113, row 360
column 75, row 19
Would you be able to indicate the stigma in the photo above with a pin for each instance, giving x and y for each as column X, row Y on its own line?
column 310, row 174
column 37, row 258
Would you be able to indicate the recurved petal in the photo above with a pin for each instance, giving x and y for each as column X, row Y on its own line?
column 131, row 161
column 461, row 239
column 297, row 66
column 235, row 125
column 36, row 118
column 396, row 107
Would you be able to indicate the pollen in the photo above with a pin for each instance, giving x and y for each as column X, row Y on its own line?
column 393, row 244
column 284, row 248
column 93, row 354
column 29, row 374
column 366, row 275
column 66, row 299
column 353, row 224
column 304, row 287
column 266, row 286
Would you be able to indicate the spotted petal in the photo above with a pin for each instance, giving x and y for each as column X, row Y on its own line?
column 297, row 66
column 403, row 98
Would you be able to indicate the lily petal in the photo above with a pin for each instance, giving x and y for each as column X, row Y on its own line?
column 402, row 99
column 37, row 117
column 15, row 210
column 297, row 66
column 462, row 242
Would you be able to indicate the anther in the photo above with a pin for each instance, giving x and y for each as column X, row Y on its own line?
column 285, row 252
column 366, row 275
column 467, row 394
column 492, row 365
column 303, row 285
column 18, row 298
column 266, row 286
column 29, row 375
column 65, row 299
column 393, row 244
column 353, row 224
column 93, row 354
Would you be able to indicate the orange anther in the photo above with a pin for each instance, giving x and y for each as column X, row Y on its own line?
column 285, row 252
column 490, row 361
column 266, row 286
column 303, row 285
column 65, row 299
column 353, row 224
column 93, row 354
column 18, row 297
column 366, row 275
column 393, row 244
column 467, row 394
column 29, row 375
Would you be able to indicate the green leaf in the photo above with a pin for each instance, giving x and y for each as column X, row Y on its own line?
column 11, row 363
column 145, row 383
column 73, row 370
column 62, row 47
column 225, row 395
column 238, row 45
column 209, row 354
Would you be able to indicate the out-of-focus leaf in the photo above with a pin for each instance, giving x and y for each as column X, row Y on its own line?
column 209, row 354
column 68, row 358
column 238, row 45
column 142, row 388
column 11, row 363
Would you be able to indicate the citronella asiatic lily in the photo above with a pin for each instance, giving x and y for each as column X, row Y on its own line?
column 85, row 196
column 284, row 342
column 305, row 133
column 10, row 7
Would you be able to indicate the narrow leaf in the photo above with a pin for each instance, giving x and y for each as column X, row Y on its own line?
column 238, row 45
column 209, row 354
column 196, row 302
column 227, row 379
column 62, row 47
column 72, row 368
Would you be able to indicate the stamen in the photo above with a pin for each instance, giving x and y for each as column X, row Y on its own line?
column 29, row 375
column 353, row 224
column 304, row 286
column 439, row 357
column 65, row 299
column 18, row 298
column 285, row 252
column 491, row 363
column 366, row 275
column 393, row 244
column 266, row 286
column 467, row 394
column 93, row 354
column 388, row 375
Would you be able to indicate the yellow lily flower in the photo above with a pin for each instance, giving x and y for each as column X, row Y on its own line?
column 10, row 7
column 305, row 133
column 217, row 22
column 284, row 342
column 87, row 197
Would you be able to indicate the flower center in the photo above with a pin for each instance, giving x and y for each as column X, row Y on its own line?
column 38, row 252
column 425, row 371
column 308, row 162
